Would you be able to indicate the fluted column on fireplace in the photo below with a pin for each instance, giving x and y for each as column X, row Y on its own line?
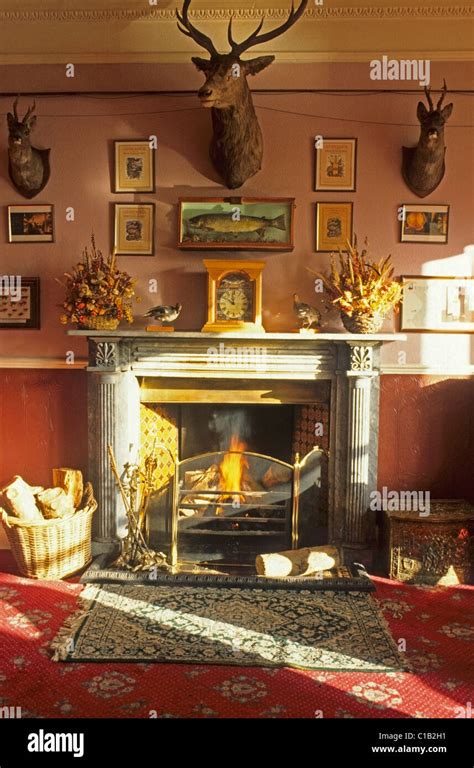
column 362, row 442
column 114, row 404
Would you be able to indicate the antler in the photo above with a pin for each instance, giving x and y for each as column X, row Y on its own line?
column 428, row 96
column 15, row 113
column 443, row 94
column 256, row 39
column 30, row 111
column 191, row 31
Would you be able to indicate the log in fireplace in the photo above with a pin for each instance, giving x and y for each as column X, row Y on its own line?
column 171, row 375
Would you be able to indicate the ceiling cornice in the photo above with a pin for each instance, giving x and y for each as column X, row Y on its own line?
column 242, row 14
column 329, row 33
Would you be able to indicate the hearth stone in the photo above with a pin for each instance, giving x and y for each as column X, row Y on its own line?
column 349, row 361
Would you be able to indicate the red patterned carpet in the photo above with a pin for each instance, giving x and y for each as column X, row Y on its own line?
column 435, row 623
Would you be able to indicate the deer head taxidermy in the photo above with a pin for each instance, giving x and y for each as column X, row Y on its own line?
column 28, row 167
column 423, row 166
column 236, row 148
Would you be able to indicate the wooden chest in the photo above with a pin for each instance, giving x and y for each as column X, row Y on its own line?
column 436, row 549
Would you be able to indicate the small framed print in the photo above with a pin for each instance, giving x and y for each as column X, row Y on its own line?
column 134, row 166
column 424, row 224
column 19, row 302
column 30, row 224
column 333, row 226
column 437, row 304
column 134, row 229
column 336, row 163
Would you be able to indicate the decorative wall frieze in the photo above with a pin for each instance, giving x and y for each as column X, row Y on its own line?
column 239, row 14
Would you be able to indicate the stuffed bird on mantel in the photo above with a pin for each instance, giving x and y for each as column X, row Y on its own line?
column 165, row 312
column 306, row 314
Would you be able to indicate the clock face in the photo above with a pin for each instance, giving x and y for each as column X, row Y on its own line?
column 235, row 297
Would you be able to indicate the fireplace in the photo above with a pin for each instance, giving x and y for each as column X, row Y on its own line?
column 240, row 480
column 294, row 392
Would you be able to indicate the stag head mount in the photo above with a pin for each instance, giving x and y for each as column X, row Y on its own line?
column 236, row 148
column 423, row 166
column 28, row 167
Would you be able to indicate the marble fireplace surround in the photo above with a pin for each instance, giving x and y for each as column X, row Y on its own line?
column 181, row 366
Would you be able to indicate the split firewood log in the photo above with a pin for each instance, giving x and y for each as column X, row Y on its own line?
column 54, row 503
column 19, row 500
column 276, row 475
column 70, row 480
column 298, row 562
column 207, row 480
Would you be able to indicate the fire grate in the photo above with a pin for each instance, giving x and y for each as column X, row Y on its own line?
column 229, row 506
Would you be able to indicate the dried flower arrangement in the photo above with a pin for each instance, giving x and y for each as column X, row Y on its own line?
column 362, row 290
column 98, row 295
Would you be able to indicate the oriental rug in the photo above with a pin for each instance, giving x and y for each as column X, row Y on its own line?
column 338, row 631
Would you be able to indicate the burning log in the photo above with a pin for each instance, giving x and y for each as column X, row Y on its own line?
column 297, row 562
column 276, row 475
column 232, row 477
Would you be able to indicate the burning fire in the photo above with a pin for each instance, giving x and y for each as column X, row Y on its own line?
column 231, row 470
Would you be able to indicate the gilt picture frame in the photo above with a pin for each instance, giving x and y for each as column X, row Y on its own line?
column 334, row 226
column 336, row 165
column 20, row 304
column 424, row 223
column 436, row 304
column 236, row 224
column 134, row 166
column 134, row 229
column 30, row 223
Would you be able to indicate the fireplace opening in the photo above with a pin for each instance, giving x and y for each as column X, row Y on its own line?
column 233, row 482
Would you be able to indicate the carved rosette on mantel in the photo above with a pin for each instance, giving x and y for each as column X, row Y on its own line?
column 118, row 360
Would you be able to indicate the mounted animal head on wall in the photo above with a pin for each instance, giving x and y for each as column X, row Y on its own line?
column 28, row 167
column 423, row 166
column 236, row 148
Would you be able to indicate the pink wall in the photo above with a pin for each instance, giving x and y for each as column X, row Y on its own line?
column 81, row 129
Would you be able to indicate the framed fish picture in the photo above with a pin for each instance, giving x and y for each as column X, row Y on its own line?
column 236, row 224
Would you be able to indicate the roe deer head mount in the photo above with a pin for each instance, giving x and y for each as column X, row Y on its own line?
column 236, row 148
column 28, row 167
column 423, row 166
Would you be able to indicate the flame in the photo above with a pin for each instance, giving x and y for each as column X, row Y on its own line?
column 233, row 465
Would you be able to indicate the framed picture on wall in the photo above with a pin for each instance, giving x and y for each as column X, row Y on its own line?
column 437, row 304
column 236, row 224
column 134, row 229
column 333, row 226
column 19, row 303
column 424, row 223
column 134, row 166
column 30, row 224
column 336, row 162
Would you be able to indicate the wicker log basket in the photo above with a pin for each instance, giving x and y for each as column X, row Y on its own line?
column 52, row 549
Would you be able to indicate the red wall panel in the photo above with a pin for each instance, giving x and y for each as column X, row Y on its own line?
column 43, row 423
column 427, row 435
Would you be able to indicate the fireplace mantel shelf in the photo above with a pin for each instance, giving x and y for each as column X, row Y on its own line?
column 191, row 354
column 309, row 338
